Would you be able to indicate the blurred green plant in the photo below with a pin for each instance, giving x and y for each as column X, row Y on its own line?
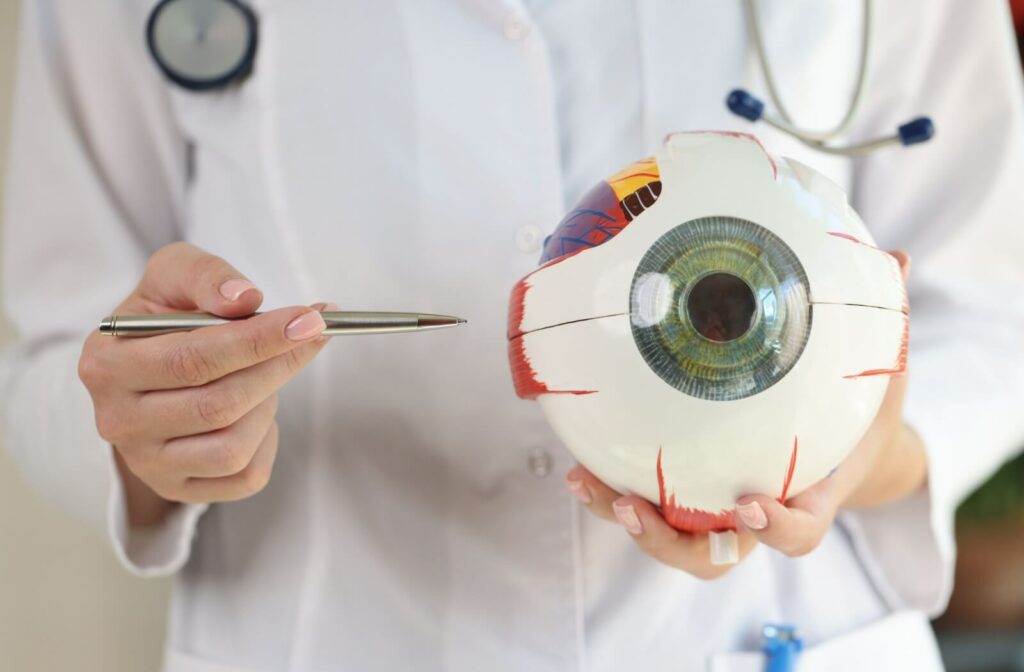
column 999, row 498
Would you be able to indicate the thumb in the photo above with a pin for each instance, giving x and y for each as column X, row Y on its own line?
column 181, row 276
column 904, row 261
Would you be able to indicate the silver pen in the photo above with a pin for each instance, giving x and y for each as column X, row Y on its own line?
column 338, row 322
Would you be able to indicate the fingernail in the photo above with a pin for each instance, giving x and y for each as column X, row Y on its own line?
column 331, row 307
column 627, row 516
column 752, row 515
column 579, row 490
column 305, row 326
column 232, row 289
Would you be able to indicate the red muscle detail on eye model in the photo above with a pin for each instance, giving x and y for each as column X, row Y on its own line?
column 696, row 521
column 524, row 377
column 607, row 209
column 789, row 474
column 900, row 366
column 600, row 216
column 691, row 520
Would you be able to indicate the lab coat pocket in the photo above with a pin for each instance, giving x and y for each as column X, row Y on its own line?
column 175, row 661
column 901, row 641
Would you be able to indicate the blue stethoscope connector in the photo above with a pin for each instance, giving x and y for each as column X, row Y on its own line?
column 741, row 103
column 917, row 130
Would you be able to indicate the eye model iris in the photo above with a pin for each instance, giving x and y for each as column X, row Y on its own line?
column 720, row 308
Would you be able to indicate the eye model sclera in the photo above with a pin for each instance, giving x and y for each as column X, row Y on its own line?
column 709, row 323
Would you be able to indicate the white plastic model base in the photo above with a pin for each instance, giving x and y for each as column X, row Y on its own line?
column 710, row 323
column 725, row 547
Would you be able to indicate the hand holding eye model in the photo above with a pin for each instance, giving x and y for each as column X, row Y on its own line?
column 712, row 333
column 887, row 463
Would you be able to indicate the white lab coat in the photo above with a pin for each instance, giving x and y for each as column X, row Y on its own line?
column 411, row 155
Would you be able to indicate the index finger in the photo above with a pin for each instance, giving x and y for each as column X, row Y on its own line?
column 193, row 358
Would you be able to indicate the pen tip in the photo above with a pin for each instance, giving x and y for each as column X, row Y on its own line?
column 428, row 321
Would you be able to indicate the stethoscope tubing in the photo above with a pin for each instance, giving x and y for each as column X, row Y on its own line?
column 784, row 120
column 745, row 105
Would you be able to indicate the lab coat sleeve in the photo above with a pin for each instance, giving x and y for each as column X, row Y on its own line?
column 956, row 204
column 95, row 182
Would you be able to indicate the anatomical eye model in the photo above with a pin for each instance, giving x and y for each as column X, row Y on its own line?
column 710, row 323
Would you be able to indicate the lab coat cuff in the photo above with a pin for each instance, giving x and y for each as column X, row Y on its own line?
column 159, row 550
column 909, row 546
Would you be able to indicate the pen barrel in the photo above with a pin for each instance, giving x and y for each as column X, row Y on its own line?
column 338, row 322
column 156, row 324
column 353, row 322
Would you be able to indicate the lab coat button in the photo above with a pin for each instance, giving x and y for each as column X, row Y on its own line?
column 528, row 238
column 540, row 463
column 516, row 29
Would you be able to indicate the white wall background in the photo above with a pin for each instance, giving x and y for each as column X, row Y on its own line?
column 65, row 604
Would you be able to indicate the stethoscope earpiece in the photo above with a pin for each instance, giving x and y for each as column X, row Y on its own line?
column 916, row 130
column 202, row 44
column 745, row 105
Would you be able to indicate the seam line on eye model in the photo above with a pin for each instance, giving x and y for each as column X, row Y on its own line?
column 857, row 305
column 562, row 324
column 599, row 317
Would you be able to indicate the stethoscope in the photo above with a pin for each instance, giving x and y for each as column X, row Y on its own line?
column 204, row 45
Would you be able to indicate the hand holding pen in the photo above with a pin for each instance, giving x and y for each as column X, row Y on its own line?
column 191, row 414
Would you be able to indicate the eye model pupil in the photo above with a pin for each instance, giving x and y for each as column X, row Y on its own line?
column 721, row 307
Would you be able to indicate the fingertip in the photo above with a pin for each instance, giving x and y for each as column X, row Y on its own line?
column 577, row 473
column 751, row 514
column 625, row 510
column 759, row 513
column 322, row 307
column 641, row 505
column 651, row 520
column 234, row 288
column 579, row 490
column 575, row 482
column 237, row 297
column 904, row 259
column 249, row 301
column 600, row 491
column 305, row 326
column 791, row 531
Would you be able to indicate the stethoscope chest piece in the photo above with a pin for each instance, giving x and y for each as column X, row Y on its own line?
column 202, row 44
